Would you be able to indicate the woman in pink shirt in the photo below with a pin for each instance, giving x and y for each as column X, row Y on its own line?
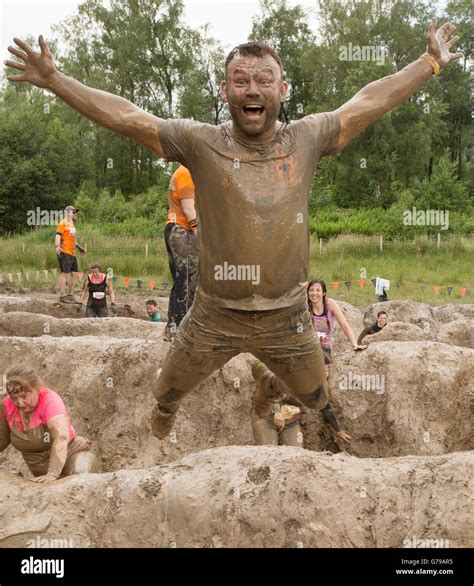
column 34, row 419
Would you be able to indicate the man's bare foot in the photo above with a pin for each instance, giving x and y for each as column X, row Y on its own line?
column 161, row 422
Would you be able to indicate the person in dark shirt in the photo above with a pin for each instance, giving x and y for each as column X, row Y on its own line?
column 96, row 285
column 382, row 318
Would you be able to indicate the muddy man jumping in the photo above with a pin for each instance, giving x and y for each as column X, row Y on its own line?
column 252, row 176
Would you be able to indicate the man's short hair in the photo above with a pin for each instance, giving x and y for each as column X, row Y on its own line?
column 95, row 265
column 254, row 48
column 151, row 302
column 382, row 312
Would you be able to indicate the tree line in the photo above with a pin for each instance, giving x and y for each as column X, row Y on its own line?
column 144, row 51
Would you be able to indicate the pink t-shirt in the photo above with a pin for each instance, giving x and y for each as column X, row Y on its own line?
column 49, row 405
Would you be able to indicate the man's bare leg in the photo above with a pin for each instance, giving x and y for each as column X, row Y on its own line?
column 62, row 284
column 73, row 278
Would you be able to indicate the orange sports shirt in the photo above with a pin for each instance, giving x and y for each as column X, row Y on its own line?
column 68, row 236
column 181, row 187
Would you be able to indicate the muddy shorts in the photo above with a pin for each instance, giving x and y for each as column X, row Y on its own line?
column 210, row 335
column 266, row 433
column 97, row 311
column 67, row 263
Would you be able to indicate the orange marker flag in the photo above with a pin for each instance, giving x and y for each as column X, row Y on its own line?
column 335, row 285
column 361, row 283
column 152, row 284
column 463, row 291
column 437, row 289
column 126, row 281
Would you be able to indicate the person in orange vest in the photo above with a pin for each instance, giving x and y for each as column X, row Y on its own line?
column 65, row 245
column 182, row 247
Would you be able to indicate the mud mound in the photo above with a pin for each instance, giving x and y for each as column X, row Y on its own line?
column 222, row 498
column 49, row 305
column 458, row 333
column 105, row 382
column 450, row 324
column 400, row 398
column 405, row 401
column 22, row 323
column 419, row 314
column 398, row 331
column 452, row 312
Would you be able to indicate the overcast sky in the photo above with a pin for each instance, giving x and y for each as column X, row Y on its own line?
column 230, row 20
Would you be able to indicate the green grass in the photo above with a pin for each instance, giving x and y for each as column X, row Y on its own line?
column 412, row 263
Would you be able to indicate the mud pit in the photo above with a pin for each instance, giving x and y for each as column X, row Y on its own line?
column 409, row 419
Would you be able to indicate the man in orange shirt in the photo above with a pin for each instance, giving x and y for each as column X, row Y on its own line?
column 181, row 244
column 65, row 245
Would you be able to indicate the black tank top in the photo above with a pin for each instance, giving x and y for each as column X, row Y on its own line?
column 97, row 292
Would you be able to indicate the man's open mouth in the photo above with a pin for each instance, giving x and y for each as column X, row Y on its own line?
column 253, row 111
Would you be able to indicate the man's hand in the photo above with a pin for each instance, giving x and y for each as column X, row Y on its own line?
column 344, row 436
column 36, row 68
column 81, row 249
column 380, row 96
column 112, row 112
column 439, row 43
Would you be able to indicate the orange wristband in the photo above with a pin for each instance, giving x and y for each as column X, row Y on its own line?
column 432, row 61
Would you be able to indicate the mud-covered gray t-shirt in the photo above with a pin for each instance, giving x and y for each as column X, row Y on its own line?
column 251, row 203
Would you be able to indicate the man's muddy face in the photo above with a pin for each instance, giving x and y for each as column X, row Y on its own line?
column 254, row 91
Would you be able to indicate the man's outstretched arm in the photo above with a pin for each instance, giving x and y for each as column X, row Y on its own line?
column 112, row 112
column 379, row 97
